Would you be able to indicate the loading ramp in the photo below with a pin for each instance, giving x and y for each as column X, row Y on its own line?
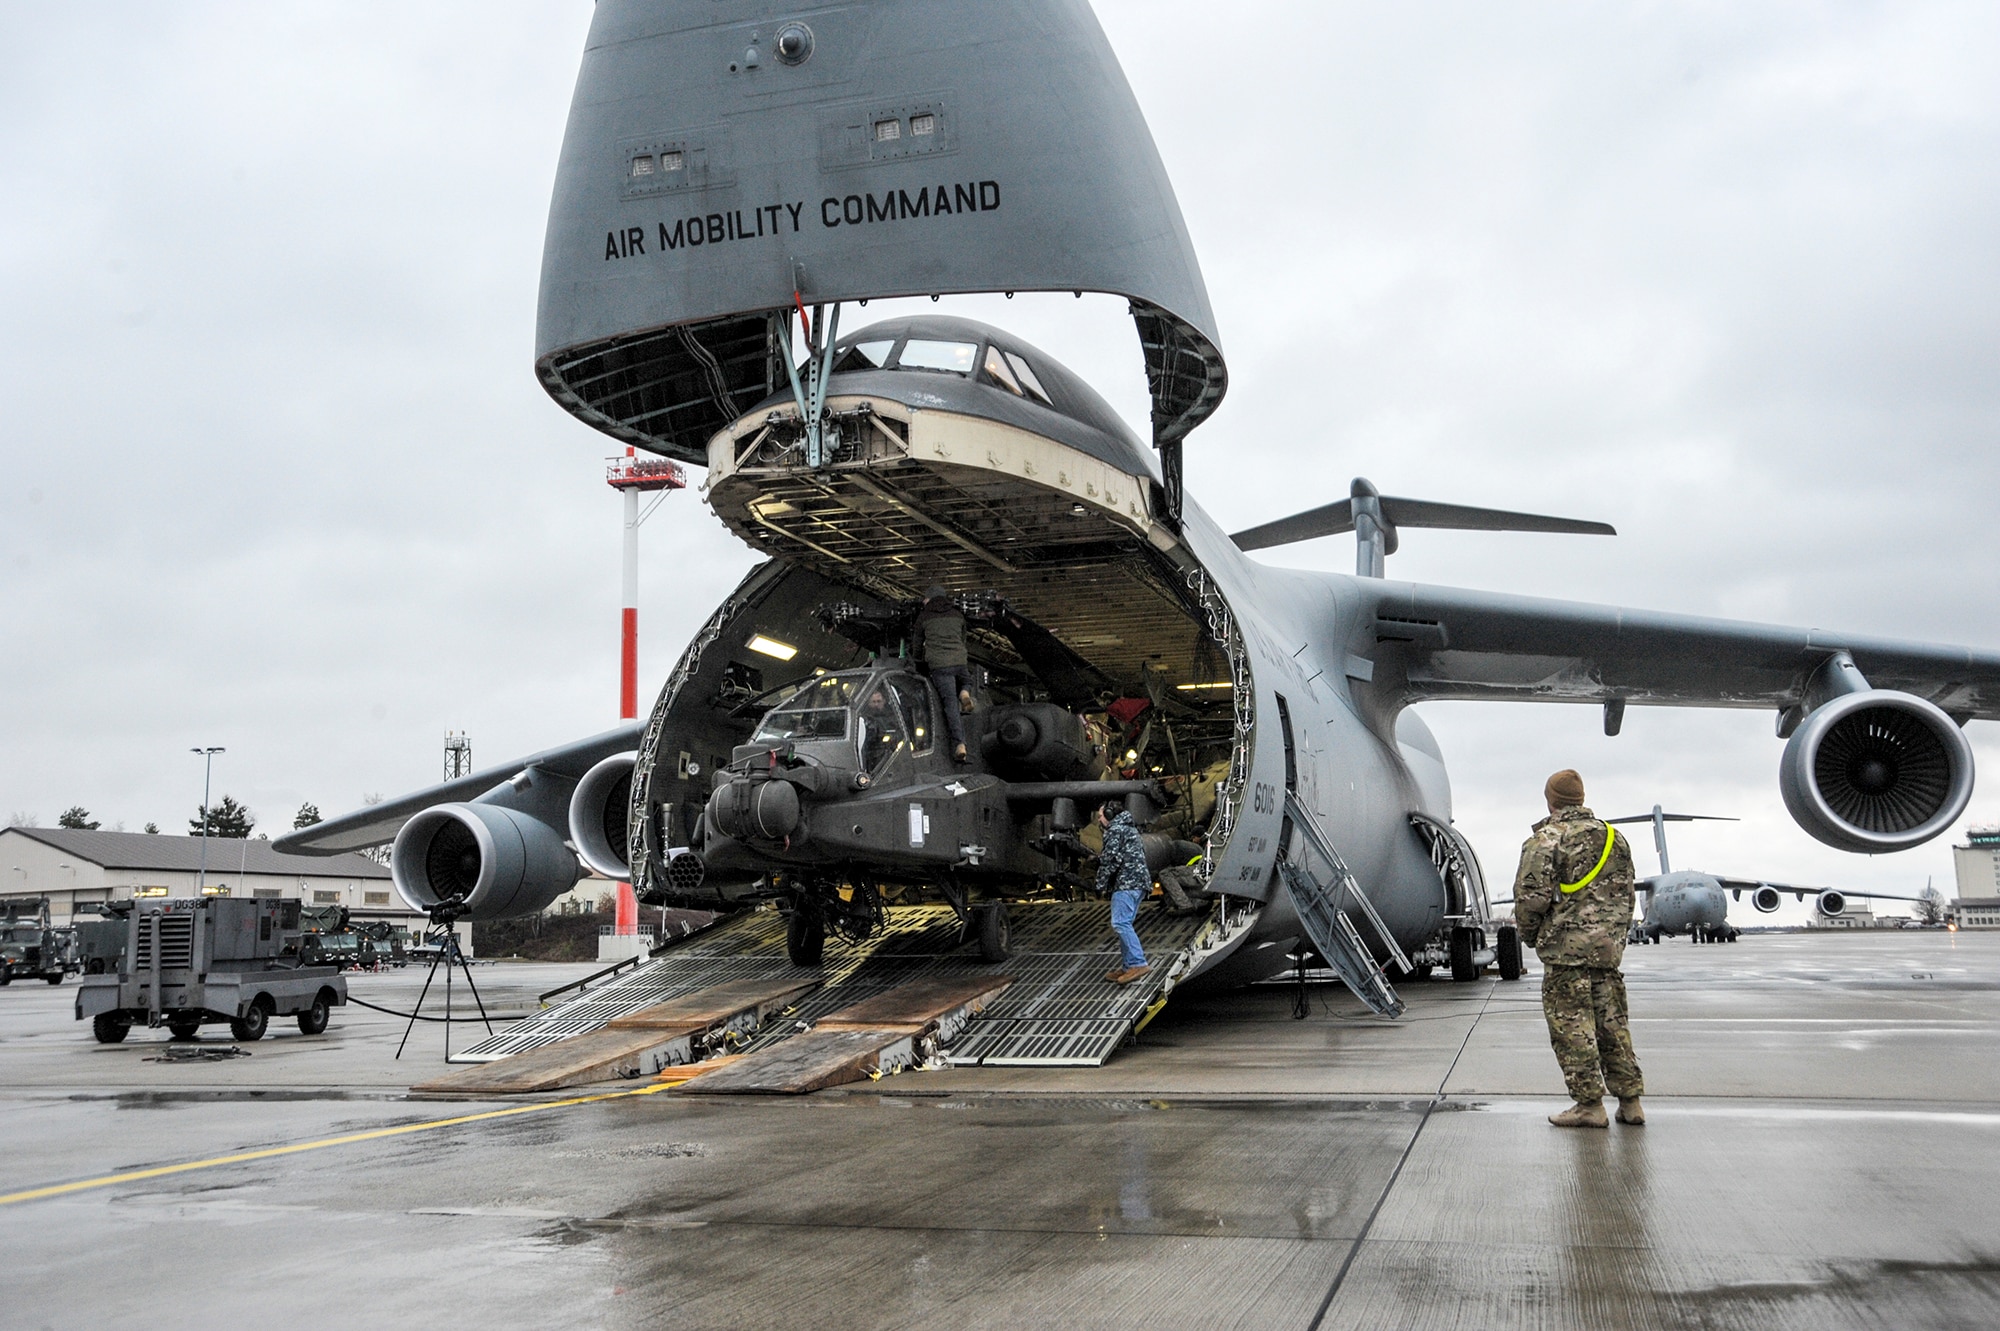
column 1057, row 1010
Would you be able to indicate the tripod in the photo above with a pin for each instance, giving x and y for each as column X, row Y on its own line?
column 445, row 914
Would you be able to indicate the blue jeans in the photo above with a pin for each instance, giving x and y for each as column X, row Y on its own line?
column 948, row 680
column 1124, row 909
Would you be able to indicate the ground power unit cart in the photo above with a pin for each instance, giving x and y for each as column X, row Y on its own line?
column 216, row 959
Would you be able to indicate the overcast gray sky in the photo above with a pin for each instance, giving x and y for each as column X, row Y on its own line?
column 277, row 474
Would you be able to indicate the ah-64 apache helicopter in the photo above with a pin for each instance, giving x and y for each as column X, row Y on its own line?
column 727, row 184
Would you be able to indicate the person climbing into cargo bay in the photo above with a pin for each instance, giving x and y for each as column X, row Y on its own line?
column 1573, row 901
column 1122, row 871
column 940, row 633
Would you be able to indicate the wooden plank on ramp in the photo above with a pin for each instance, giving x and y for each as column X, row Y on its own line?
column 639, row 1044
column 881, row 1034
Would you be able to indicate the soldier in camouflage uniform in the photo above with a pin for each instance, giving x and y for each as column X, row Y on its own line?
column 1123, row 872
column 1573, row 902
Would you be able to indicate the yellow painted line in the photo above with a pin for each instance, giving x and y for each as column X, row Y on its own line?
column 270, row 1152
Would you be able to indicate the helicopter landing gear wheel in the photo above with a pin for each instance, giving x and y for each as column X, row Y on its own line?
column 996, row 935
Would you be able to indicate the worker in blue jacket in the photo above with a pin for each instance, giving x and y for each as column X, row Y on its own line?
column 1122, row 871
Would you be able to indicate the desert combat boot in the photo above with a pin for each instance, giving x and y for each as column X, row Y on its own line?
column 1582, row 1115
column 1629, row 1111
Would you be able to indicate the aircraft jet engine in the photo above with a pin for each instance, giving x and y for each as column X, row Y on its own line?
column 1876, row 770
column 599, row 816
column 499, row 862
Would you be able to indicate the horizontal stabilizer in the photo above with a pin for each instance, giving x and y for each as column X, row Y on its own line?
column 1676, row 818
column 1332, row 519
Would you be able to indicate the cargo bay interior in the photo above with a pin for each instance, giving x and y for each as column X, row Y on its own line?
column 955, row 456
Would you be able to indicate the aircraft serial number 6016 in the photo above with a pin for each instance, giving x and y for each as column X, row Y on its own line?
column 727, row 183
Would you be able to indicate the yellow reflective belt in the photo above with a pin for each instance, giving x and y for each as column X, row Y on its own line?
column 1610, row 836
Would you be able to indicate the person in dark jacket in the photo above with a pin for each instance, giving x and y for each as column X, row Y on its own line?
column 1122, row 871
column 940, row 634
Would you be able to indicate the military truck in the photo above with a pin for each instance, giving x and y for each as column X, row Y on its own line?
column 30, row 948
column 187, row 963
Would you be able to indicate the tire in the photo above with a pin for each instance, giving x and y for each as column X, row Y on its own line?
column 805, row 935
column 996, row 934
column 313, row 1020
column 95, row 966
column 110, row 1028
column 1462, row 968
column 57, row 978
column 1508, row 954
column 252, row 1024
column 6, row 976
column 185, row 1029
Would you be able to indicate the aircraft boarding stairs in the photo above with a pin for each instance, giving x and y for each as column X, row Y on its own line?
column 918, row 993
column 1323, row 891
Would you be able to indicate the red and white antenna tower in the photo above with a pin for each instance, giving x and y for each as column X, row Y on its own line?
column 633, row 476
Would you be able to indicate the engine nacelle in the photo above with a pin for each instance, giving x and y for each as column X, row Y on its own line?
column 502, row 862
column 598, row 816
column 1876, row 771
column 1830, row 902
column 1767, row 899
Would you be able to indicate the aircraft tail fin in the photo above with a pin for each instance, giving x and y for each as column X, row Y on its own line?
column 1659, row 818
column 1375, row 517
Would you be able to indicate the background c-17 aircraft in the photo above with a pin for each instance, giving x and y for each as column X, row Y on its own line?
column 1690, row 902
column 727, row 185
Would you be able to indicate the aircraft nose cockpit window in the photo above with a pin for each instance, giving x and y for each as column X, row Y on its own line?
column 922, row 354
column 865, row 355
column 1013, row 373
column 817, row 711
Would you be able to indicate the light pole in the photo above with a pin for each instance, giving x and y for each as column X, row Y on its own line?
column 207, row 768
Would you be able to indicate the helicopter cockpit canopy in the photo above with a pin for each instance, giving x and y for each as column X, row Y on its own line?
column 881, row 713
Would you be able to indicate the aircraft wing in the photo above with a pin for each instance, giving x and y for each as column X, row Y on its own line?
column 379, row 823
column 1752, row 884
column 1472, row 644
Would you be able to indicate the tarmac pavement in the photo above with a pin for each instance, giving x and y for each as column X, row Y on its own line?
column 1825, row 1113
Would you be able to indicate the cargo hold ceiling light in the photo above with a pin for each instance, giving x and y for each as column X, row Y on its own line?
column 771, row 647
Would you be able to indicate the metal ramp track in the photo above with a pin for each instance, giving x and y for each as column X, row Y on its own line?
column 1058, row 1012
column 1322, row 911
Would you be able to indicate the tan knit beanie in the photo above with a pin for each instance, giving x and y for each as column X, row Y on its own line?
column 1564, row 788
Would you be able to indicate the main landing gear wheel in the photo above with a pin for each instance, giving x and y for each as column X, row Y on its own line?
column 805, row 935
column 1463, row 945
column 995, row 933
column 109, row 1027
column 1507, row 953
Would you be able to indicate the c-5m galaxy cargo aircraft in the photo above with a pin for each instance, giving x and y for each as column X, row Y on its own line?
column 1688, row 901
column 733, row 179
